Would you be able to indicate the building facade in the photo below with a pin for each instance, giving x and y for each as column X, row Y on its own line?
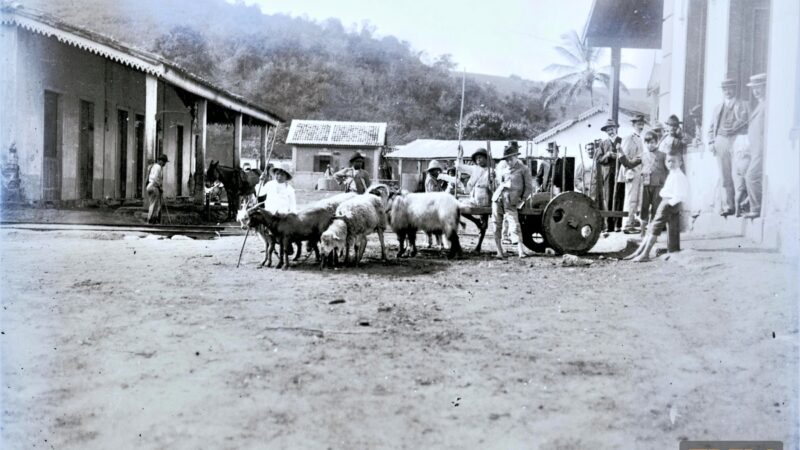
column 83, row 116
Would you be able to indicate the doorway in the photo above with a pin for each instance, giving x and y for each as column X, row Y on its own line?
column 139, row 145
column 122, row 152
column 86, row 150
column 179, row 161
column 51, row 168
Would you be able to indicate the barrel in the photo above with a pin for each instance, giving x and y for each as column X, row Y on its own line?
column 410, row 182
column 328, row 184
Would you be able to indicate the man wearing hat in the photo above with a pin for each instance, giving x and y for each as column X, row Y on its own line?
column 478, row 184
column 355, row 178
column 755, row 134
column 632, row 150
column 514, row 186
column 728, row 124
column 550, row 171
column 432, row 183
column 155, row 189
column 614, row 192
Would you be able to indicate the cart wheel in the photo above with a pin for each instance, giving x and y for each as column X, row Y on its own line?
column 571, row 224
column 532, row 235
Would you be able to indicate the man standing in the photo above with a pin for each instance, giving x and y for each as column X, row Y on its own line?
column 584, row 179
column 515, row 185
column 355, row 178
column 155, row 189
column 727, row 124
column 549, row 172
column 755, row 134
column 632, row 148
column 607, row 160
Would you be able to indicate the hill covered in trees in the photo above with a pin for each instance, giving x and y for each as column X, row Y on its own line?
column 314, row 70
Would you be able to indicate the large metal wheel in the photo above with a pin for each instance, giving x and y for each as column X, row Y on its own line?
column 571, row 223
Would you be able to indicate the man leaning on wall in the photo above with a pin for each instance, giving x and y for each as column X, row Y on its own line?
column 727, row 131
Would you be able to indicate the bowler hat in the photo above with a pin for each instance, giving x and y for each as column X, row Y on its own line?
column 512, row 149
column 285, row 167
column 163, row 158
column 479, row 152
column 638, row 118
column 673, row 120
column 551, row 147
column 435, row 165
column 758, row 80
column 729, row 82
column 356, row 157
column 609, row 124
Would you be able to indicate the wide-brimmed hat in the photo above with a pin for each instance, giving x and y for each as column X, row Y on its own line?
column 729, row 82
column 479, row 152
column 673, row 120
column 435, row 165
column 551, row 147
column 163, row 158
column 512, row 149
column 285, row 167
column 758, row 80
column 609, row 124
column 638, row 118
column 658, row 126
column 356, row 157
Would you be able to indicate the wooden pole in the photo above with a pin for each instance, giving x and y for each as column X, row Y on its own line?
column 460, row 132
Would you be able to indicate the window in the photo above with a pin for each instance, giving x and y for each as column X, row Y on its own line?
column 321, row 162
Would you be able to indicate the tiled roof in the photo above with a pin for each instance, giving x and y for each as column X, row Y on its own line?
column 443, row 149
column 564, row 125
column 326, row 132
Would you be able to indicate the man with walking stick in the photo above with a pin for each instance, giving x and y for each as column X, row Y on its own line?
column 608, row 159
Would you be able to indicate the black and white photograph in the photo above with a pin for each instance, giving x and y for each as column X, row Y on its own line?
column 353, row 224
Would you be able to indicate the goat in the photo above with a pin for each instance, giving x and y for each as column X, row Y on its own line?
column 432, row 212
column 306, row 225
column 354, row 220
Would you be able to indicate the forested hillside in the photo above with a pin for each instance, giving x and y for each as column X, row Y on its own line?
column 305, row 69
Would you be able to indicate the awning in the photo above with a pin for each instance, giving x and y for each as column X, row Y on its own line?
column 625, row 24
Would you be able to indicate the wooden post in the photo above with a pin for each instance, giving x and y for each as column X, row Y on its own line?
column 237, row 141
column 262, row 148
column 200, row 151
column 150, row 108
column 616, row 61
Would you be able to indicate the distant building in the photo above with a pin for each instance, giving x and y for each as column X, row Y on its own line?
column 319, row 143
column 701, row 43
column 87, row 114
column 573, row 134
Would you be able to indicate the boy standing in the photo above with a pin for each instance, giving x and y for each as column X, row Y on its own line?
column 654, row 175
column 673, row 194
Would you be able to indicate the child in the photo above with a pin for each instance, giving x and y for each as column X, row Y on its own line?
column 280, row 194
column 673, row 194
column 654, row 175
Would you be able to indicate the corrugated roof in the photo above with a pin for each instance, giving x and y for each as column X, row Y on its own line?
column 107, row 47
column 444, row 149
column 328, row 132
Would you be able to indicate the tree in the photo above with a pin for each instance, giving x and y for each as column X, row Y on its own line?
column 579, row 75
column 491, row 125
column 188, row 48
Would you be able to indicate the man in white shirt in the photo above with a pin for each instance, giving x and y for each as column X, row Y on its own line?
column 674, row 193
column 155, row 189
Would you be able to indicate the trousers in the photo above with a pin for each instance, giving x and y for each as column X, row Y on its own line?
column 723, row 147
column 154, row 198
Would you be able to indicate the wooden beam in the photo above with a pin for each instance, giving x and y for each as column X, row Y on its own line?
column 616, row 60
column 200, row 151
column 237, row 141
column 150, row 108
column 262, row 148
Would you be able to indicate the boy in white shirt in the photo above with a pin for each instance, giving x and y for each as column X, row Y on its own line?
column 673, row 194
column 280, row 194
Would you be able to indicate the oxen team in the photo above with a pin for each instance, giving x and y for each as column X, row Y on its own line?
column 341, row 223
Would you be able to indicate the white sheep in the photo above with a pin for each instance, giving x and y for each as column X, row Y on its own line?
column 354, row 220
column 431, row 212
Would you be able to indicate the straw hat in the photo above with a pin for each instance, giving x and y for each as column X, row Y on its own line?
column 479, row 152
column 435, row 165
column 758, row 80
column 286, row 167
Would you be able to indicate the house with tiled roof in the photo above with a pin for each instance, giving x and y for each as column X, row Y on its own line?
column 82, row 115
column 317, row 144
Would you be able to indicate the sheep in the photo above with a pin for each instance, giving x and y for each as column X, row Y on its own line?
column 432, row 212
column 353, row 221
column 306, row 225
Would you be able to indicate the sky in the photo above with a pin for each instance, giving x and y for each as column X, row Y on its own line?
column 497, row 37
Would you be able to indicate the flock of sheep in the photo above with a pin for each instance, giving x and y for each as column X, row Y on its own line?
column 336, row 225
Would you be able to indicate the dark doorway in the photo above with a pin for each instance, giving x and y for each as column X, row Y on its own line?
column 122, row 152
column 748, row 41
column 139, row 138
column 695, row 64
column 179, row 161
column 51, row 169
column 86, row 150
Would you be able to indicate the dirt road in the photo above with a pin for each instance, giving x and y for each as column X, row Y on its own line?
column 113, row 341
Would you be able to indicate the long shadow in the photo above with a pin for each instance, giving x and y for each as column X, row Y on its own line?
column 751, row 250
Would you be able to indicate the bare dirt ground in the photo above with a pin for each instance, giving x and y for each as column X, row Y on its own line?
column 115, row 341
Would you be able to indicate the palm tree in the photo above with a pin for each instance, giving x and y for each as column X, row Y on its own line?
column 579, row 75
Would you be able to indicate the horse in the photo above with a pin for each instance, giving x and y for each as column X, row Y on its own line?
column 236, row 181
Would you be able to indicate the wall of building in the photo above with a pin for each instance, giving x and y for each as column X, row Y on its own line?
column 303, row 159
column 583, row 132
column 44, row 64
